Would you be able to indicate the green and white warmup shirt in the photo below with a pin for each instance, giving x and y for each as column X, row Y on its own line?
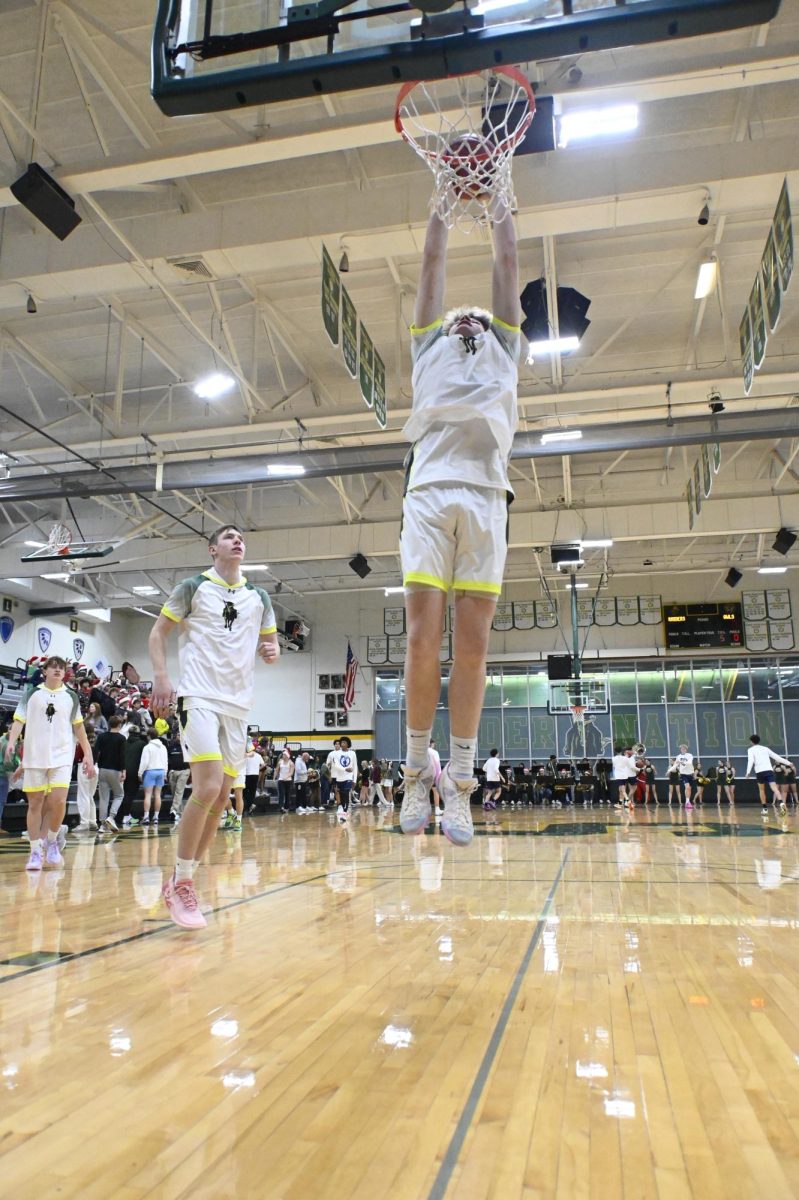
column 220, row 626
column 50, row 719
column 465, row 410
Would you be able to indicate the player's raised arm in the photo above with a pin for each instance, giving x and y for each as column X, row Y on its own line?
column 432, row 280
column 163, row 691
column 505, row 278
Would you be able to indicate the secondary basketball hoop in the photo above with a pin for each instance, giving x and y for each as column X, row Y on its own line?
column 466, row 129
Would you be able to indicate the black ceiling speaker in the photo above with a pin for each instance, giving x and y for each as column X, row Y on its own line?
column 559, row 666
column 572, row 307
column 783, row 541
column 360, row 566
column 41, row 195
column 733, row 577
column 568, row 552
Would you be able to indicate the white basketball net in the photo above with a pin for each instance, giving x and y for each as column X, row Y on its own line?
column 466, row 130
column 59, row 538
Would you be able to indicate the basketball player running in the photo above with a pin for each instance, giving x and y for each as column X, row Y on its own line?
column 344, row 770
column 455, row 513
column 760, row 760
column 684, row 765
column 51, row 716
column 224, row 620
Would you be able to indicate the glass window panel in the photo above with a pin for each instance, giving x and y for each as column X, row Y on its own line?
column 740, row 726
column 651, row 688
column 710, row 742
column 707, row 681
column 792, row 726
column 735, row 681
column 768, row 723
column 652, row 728
column 387, row 735
column 542, row 735
column 489, row 734
column 682, row 730
column 789, row 678
column 765, row 680
column 539, row 688
column 515, row 692
column 625, row 725
column 679, row 687
column 493, row 692
column 388, row 690
column 516, row 734
column 621, row 678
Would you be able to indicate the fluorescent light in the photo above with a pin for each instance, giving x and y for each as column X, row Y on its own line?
column 36, row 545
column 393, row 591
column 146, row 590
column 562, row 435
column 285, row 469
column 578, row 585
column 760, row 571
column 551, row 346
column 706, row 280
column 211, row 387
column 493, row 5
column 144, row 612
column 61, row 577
column 597, row 122
column 255, row 567
column 597, row 543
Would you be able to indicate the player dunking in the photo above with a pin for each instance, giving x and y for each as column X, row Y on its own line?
column 224, row 620
column 455, row 513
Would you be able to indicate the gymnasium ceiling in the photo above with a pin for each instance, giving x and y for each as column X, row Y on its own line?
column 106, row 363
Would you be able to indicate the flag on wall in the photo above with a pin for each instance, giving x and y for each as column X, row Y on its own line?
column 349, row 679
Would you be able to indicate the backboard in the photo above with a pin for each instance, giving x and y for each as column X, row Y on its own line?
column 96, row 549
column 589, row 693
column 213, row 55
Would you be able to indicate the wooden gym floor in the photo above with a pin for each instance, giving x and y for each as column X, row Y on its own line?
column 577, row 1005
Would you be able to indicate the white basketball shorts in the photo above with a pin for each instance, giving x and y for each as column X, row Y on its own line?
column 454, row 538
column 44, row 779
column 209, row 736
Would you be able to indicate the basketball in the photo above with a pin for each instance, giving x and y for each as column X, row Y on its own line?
column 471, row 166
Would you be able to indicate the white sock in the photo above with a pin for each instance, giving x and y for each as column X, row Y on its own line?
column 52, row 837
column 418, row 741
column 462, row 753
column 36, row 844
column 184, row 868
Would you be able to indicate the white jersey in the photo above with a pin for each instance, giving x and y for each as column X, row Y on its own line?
column 491, row 768
column 343, row 765
column 220, row 625
column 759, row 758
column 623, row 767
column 153, row 757
column 50, row 719
column 684, row 764
column 464, row 411
column 253, row 763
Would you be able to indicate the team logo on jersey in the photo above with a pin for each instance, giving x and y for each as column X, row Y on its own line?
column 78, row 646
column 45, row 638
column 345, row 760
column 229, row 612
column 6, row 628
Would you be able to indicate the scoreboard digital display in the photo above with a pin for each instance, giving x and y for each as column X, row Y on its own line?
column 702, row 626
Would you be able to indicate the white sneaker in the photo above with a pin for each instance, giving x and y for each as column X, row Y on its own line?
column 302, row 811
column 61, row 838
column 83, row 827
column 341, row 814
column 456, row 823
column 415, row 811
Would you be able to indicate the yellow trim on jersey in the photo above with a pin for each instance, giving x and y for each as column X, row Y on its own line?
column 468, row 586
column 167, row 612
column 78, row 721
column 214, row 578
column 426, row 328
column 431, row 580
column 505, row 325
column 271, row 629
column 17, row 717
column 205, row 758
column 227, row 770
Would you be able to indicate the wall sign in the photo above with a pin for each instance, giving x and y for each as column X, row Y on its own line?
column 503, row 618
column 523, row 614
column 376, row 650
column 393, row 620
column 6, row 628
column 45, row 637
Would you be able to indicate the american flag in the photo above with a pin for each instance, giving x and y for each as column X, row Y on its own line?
column 349, row 679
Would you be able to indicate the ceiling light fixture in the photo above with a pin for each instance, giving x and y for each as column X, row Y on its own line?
column 562, row 345
column 596, row 122
column 596, row 543
column 562, row 435
column 212, row 386
column 146, row 590
column 771, row 570
column 255, row 567
column 36, row 545
column 62, row 578
column 393, row 591
column 285, row 469
column 706, row 280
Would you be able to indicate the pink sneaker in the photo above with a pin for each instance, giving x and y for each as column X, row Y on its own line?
column 181, row 900
column 53, row 858
column 688, row 804
column 34, row 863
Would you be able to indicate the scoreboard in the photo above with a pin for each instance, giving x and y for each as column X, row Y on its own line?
column 703, row 626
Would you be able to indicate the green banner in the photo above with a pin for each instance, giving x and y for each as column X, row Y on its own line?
column 770, row 273
column 745, row 342
column 366, row 367
column 349, row 333
column 783, row 236
column 331, row 296
column 689, row 495
column 707, row 473
column 716, row 456
column 697, row 487
column 380, row 390
column 758, row 318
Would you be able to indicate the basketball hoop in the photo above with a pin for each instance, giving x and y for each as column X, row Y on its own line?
column 59, row 539
column 466, row 129
column 578, row 712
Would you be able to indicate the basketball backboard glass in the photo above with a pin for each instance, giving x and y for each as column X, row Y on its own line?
column 72, row 551
column 213, row 55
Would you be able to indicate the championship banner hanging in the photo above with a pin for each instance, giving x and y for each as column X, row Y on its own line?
column 331, row 296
